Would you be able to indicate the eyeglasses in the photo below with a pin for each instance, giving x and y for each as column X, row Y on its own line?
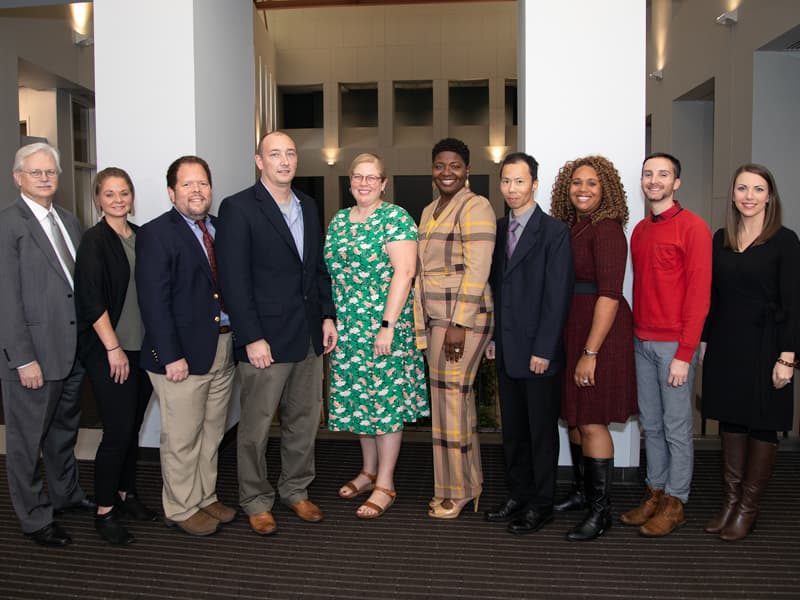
column 370, row 179
column 37, row 173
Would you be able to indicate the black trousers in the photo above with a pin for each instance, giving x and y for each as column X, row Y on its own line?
column 530, row 409
column 121, row 407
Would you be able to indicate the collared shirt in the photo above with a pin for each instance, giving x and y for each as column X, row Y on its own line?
column 224, row 319
column 40, row 212
column 293, row 214
column 667, row 214
column 521, row 219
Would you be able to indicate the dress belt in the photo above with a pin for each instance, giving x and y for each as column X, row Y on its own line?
column 586, row 287
column 225, row 329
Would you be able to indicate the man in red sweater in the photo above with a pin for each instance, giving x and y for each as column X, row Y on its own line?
column 671, row 254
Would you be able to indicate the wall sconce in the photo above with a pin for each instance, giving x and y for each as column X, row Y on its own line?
column 728, row 18
column 496, row 153
column 81, row 13
column 657, row 75
column 330, row 156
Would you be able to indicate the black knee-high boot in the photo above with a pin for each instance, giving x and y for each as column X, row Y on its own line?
column 598, row 474
column 576, row 499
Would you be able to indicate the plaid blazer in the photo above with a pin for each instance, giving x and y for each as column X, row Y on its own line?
column 453, row 263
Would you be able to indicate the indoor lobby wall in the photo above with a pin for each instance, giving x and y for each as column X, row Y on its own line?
column 385, row 44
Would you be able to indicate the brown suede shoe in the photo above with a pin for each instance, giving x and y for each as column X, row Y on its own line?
column 200, row 523
column 307, row 510
column 223, row 514
column 263, row 523
column 668, row 517
column 642, row 513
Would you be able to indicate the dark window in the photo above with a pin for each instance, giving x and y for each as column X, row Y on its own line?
column 346, row 199
column 413, row 103
column 413, row 192
column 359, row 103
column 300, row 107
column 314, row 187
column 469, row 102
column 511, row 103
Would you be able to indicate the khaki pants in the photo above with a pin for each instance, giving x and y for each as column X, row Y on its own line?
column 295, row 388
column 193, row 415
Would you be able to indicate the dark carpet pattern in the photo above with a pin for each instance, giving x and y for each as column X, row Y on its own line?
column 405, row 554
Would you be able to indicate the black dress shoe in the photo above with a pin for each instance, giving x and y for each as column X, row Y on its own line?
column 135, row 508
column 87, row 504
column 533, row 520
column 111, row 530
column 507, row 511
column 50, row 535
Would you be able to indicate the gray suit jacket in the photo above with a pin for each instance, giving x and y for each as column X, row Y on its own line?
column 36, row 299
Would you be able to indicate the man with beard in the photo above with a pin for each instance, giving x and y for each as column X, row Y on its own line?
column 671, row 254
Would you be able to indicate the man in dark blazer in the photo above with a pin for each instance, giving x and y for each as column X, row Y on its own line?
column 532, row 281
column 41, row 377
column 187, row 348
column 278, row 291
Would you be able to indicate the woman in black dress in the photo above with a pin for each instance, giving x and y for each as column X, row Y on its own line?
column 109, row 340
column 751, row 335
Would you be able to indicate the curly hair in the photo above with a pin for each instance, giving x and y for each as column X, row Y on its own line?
column 613, row 204
column 451, row 145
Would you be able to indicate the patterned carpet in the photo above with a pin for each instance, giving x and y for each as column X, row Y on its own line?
column 405, row 554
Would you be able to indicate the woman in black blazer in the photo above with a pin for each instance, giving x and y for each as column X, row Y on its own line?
column 109, row 341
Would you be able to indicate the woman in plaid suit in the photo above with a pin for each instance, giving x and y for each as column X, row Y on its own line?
column 453, row 315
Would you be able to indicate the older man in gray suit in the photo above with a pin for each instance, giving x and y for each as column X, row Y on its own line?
column 40, row 375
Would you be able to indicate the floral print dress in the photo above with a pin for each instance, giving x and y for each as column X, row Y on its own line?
column 371, row 395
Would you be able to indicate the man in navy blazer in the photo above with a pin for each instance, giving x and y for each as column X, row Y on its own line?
column 532, row 281
column 278, row 292
column 187, row 348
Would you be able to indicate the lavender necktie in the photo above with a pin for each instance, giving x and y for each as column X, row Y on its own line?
column 511, row 243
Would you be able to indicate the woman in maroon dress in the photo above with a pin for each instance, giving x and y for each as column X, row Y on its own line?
column 599, row 379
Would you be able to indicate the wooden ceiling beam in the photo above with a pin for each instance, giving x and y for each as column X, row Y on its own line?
column 287, row 4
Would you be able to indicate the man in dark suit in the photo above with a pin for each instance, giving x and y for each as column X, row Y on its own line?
column 278, row 292
column 41, row 377
column 532, row 281
column 187, row 348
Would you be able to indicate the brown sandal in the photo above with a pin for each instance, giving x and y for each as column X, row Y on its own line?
column 357, row 491
column 379, row 510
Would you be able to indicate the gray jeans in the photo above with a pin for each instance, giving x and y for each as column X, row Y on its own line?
column 665, row 413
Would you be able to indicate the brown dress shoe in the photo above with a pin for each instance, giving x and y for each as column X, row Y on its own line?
column 642, row 513
column 223, row 514
column 200, row 523
column 263, row 523
column 307, row 510
column 668, row 517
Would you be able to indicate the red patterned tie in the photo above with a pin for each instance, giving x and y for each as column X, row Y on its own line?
column 208, row 242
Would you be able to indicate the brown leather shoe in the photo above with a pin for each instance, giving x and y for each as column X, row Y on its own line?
column 642, row 513
column 668, row 517
column 223, row 514
column 200, row 523
column 263, row 523
column 307, row 510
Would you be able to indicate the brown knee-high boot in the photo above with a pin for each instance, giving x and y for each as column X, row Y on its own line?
column 734, row 458
column 760, row 458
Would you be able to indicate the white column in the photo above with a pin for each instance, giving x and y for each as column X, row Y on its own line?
column 175, row 78
column 582, row 76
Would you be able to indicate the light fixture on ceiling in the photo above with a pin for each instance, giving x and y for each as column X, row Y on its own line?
column 728, row 18
column 657, row 75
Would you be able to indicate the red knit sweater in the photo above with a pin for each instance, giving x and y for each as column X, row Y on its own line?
column 671, row 280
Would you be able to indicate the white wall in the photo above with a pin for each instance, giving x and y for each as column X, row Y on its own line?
column 584, row 94
column 38, row 108
column 193, row 93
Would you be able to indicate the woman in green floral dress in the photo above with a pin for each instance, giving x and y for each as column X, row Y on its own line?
column 377, row 373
